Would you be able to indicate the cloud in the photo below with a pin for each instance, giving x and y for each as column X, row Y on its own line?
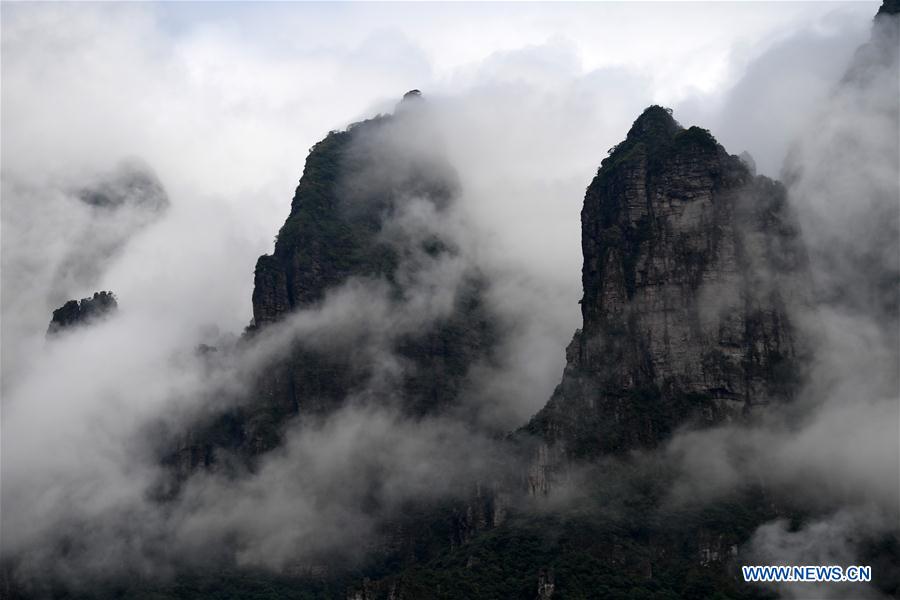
column 222, row 106
column 836, row 451
column 838, row 539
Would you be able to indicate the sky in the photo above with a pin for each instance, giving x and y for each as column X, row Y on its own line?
column 223, row 100
column 220, row 103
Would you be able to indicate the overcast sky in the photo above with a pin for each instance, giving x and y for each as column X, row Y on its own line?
column 223, row 101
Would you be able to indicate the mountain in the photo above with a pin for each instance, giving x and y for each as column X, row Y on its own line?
column 370, row 224
column 347, row 223
column 689, row 260
column 694, row 271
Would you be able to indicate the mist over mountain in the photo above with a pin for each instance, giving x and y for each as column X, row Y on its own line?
column 387, row 400
column 82, row 312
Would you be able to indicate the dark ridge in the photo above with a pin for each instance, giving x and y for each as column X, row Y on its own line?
column 341, row 227
column 131, row 184
column 669, row 214
column 654, row 136
column 888, row 7
column 83, row 312
column 654, row 123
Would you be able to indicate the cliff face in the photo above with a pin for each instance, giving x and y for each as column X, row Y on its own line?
column 369, row 220
column 322, row 243
column 689, row 260
column 355, row 185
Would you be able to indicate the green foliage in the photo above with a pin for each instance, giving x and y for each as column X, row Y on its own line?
column 653, row 143
column 696, row 137
column 655, row 137
column 617, row 540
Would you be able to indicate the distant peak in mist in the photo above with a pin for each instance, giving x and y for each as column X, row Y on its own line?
column 412, row 95
column 130, row 183
column 413, row 99
column 83, row 312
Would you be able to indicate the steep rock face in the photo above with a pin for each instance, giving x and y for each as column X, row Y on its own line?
column 342, row 228
column 370, row 232
column 689, row 260
column 368, row 219
column 322, row 243
column 82, row 312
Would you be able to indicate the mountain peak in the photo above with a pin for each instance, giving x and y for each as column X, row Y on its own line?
column 655, row 133
column 412, row 95
column 671, row 220
column 654, row 123
column 889, row 7
column 82, row 312
column 413, row 99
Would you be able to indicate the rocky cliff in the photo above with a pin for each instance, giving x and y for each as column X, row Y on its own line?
column 689, row 261
column 368, row 223
column 82, row 312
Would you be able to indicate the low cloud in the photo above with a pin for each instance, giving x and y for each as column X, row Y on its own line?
column 223, row 123
column 836, row 450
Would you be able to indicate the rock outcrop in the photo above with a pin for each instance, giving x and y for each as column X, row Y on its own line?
column 689, row 262
column 82, row 312
column 349, row 225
